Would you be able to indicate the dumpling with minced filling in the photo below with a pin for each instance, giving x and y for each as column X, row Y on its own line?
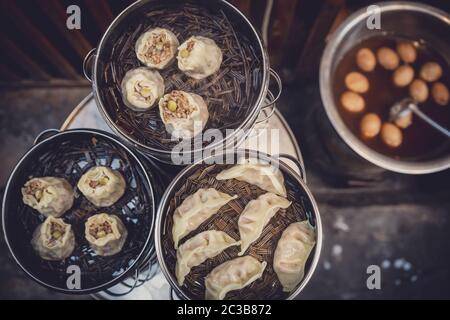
column 184, row 114
column 106, row 234
column 199, row 57
column 102, row 186
column 156, row 48
column 142, row 88
column 54, row 239
column 50, row 196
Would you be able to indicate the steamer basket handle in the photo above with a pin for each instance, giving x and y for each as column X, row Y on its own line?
column 298, row 163
column 274, row 98
column 264, row 109
column 130, row 288
column 45, row 134
column 87, row 68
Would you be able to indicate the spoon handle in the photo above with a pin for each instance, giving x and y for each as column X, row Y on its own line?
column 414, row 108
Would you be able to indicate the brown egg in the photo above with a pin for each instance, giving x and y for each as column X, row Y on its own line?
column 403, row 76
column 366, row 60
column 418, row 90
column 370, row 125
column 391, row 135
column 431, row 71
column 407, row 52
column 352, row 102
column 357, row 82
column 404, row 121
column 440, row 93
column 388, row 58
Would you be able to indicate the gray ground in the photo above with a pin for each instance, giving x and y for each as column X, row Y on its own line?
column 370, row 217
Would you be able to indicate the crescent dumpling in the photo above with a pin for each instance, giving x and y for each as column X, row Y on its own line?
column 102, row 186
column 262, row 175
column 142, row 88
column 255, row 216
column 199, row 57
column 49, row 195
column 232, row 275
column 196, row 209
column 198, row 249
column 105, row 233
column 184, row 114
column 156, row 48
column 292, row 252
column 53, row 240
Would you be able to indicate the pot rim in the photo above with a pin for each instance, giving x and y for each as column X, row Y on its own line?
column 142, row 254
column 251, row 118
column 383, row 161
column 253, row 154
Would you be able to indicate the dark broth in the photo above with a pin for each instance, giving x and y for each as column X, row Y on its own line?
column 420, row 141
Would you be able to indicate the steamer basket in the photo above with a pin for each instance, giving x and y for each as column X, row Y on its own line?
column 68, row 155
column 202, row 175
column 235, row 95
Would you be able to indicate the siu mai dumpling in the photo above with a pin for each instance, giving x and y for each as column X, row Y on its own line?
column 102, row 186
column 184, row 114
column 49, row 195
column 157, row 48
column 262, row 175
column 53, row 240
column 196, row 209
column 199, row 57
column 256, row 215
column 106, row 234
column 198, row 249
column 232, row 275
column 292, row 252
column 142, row 88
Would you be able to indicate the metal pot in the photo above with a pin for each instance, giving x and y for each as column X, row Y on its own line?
column 406, row 19
column 307, row 203
column 64, row 154
column 94, row 66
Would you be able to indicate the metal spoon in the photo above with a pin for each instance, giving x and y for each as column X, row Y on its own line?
column 404, row 107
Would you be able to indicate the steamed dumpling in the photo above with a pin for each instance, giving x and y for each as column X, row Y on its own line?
column 102, row 186
column 53, row 240
column 141, row 88
column 262, row 175
column 232, row 275
column 292, row 252
column 184, row 114
column 255, row 216
column 195, row 210
column 198, row 249
column 199, row 57
column 49, row 195
column 156, row 48
column 105, row 233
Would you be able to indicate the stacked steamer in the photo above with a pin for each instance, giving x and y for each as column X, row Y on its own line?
column 245, row 231
column 165, row 72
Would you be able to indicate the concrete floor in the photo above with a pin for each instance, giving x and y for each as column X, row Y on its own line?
column 397, row 222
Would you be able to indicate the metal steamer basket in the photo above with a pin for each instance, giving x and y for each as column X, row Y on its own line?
column 250, row 85
column 201, row 175
column 404, row 19
column 69, row 154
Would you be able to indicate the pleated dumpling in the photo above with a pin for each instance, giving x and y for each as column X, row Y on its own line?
column 102, row 186
column 199, row 57
column 183, row 113
column 232, row 275
column 198, row 249
column 105, row 233
column 53, row 240
column 292, row 252
column 262, row 175
column 255, row 216
column 142, row 88
column 196, row 209
column 49, row 195
column 156, row 48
